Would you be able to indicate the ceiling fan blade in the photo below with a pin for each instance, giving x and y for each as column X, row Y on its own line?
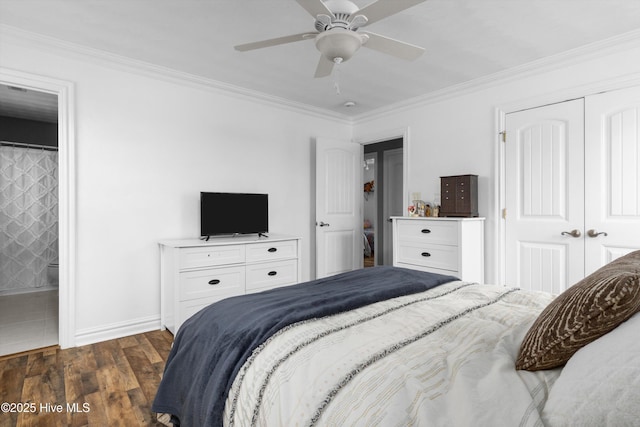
column 324, row 68
column 392, row 47
column 274, row 42
column 383, row 8
column 315, row 8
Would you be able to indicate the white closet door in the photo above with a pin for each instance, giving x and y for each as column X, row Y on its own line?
column 544, row 196
column 612, row 176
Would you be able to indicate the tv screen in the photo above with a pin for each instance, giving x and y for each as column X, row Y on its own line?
column 233, row 213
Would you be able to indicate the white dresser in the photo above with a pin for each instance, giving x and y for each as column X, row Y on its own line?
column 197, row 273
column 453, row 246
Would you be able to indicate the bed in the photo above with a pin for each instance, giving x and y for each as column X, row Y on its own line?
column 389, row 346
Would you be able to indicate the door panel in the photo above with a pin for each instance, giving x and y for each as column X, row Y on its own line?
column 544, row 197
column 542, row 266
column 612, row 132
column 339, row 241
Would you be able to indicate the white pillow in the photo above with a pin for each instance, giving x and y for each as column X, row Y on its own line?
column 600, row 384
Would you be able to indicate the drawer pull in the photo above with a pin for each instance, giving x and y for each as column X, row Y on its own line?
column 272, row 273
column 425, row 254
column 425, row 231
column 272, row 249
column 214, row 281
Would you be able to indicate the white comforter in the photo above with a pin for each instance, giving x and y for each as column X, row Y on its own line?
column 444, row 357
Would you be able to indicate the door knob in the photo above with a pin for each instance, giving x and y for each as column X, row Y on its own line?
column 323, row 224
column 594, row 233
column 572, row 233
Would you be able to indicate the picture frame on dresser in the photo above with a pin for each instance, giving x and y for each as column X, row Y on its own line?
column 196, row 273
column 445, row 245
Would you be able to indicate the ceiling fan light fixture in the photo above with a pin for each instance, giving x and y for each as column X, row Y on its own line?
column 338, row 43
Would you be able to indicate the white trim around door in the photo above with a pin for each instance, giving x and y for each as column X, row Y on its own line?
column 386, row 136
column 67, row 191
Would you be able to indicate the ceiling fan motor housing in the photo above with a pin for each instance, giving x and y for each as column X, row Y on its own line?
column 342, row 12
column 338, row 44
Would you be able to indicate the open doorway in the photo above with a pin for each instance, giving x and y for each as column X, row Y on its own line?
column 383, row 198
column 29, row 298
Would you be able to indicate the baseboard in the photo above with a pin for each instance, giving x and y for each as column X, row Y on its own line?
column 117, row 330
column 17, row 291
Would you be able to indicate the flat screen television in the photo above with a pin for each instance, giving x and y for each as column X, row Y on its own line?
column 233, row 213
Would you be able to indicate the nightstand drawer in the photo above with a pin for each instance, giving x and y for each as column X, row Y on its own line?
column 433, row 256
column 272, row 251
column 224, row 281
column 268, row 275
column 210, row 256
column 432, row 232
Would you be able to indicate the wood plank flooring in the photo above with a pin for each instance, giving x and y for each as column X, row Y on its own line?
column 111, row 383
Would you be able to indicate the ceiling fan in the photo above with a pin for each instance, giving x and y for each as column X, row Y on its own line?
column 337, row 34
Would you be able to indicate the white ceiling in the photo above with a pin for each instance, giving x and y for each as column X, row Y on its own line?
column 464, row 40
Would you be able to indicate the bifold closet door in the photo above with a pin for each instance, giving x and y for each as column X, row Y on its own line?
column 612, row 176
column 544, row 196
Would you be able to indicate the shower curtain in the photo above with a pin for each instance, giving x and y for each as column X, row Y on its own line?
column 28, row 216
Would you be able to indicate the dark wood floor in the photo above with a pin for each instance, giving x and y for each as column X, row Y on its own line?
column 111, row 383
column 369, row 261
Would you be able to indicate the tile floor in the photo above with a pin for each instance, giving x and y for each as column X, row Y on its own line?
column 28, row 321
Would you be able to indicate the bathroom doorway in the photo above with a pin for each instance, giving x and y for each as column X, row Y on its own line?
column 29, row 220
column 383, row 198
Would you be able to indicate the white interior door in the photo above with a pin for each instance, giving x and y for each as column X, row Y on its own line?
column 544, row 197
column 393, row 198
column 612, row 198
column 339, row 234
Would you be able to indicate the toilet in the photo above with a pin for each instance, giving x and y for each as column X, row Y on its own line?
column 52, row 274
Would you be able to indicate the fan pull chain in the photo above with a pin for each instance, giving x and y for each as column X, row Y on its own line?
column 336, row 75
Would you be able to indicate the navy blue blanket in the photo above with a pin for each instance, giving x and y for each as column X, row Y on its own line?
column 211, row 346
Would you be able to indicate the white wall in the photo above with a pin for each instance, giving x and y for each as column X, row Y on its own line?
column 455, row 133
column 146, row 146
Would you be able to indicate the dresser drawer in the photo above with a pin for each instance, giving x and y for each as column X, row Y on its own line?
column 453, row 273
column 210, row 256
column 271, row 274
column 434, row 256
column 431, row 232
column 213, row 282
column 266, row 251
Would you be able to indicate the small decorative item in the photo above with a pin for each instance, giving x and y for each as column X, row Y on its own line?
column 435, row 210
column 420, row 207
column 368, row 189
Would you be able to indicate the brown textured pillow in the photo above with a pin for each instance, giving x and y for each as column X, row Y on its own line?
column 583, row 313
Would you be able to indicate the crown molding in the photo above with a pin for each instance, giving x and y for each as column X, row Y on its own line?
column 41, row 42
column 575, row 56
